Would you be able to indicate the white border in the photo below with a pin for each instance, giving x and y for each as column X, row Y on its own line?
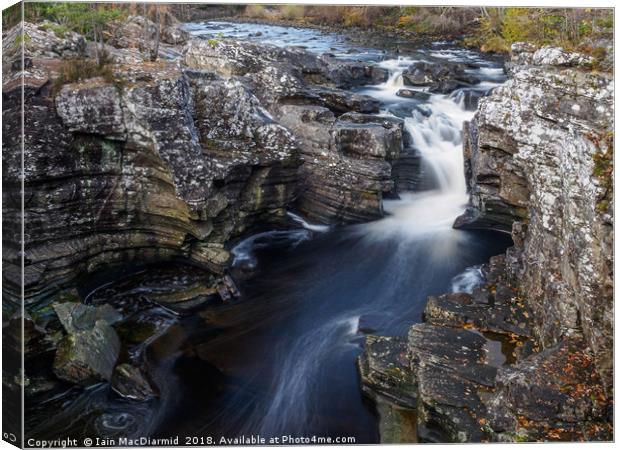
column 544, row 3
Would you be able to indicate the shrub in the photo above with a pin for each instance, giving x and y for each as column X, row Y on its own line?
column 354, row 17
column 79, row 17
column 495, row 44
column 326, row 15
column 405, row 22
column 256, row 11
column 517, row 25
column 568, row 28
column 21, row 39
column 434, row 20
column 292, row 12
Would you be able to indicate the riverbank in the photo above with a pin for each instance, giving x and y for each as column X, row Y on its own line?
column 373, row 37
column 491, row 30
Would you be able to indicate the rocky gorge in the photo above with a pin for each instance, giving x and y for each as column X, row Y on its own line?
column 143, row 185
column 537, row 157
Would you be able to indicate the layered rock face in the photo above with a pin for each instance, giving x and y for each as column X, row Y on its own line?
column 540, row 153
column 346, row 166
column 528, row 354
column 165, row 161
column 159, row 164
column 346, row 150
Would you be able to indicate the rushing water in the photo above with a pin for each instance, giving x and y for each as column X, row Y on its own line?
column 281, row 361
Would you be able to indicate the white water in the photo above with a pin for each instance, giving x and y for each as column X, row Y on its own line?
column 411, row 253
column 467, row 281
column 243, row 252
column 308, row 226
column 395, row 81
column 436, row 135
column 418, row 224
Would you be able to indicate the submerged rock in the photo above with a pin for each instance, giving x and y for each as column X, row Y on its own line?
column 129, row 382
column 410, row 93
column 88, row 352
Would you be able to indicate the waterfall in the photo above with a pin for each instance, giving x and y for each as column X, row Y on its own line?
column 378, row 274
column 435, row 129
column 439, row 141
column 395, row 81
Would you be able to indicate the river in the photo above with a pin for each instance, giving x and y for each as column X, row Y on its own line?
column 281, row 360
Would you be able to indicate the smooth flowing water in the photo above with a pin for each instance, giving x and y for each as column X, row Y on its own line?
column 281, row 360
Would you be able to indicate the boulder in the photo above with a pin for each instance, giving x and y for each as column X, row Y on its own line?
column 553, row 395
column 368, row 140
column 174, row 35
column 342, row 179
column 451, row 372
column 147, row 171
column 441, row 78
column 76, row 317
column 437, row 372
column 346, row 74
column 140, row 32
column 461, row 310
column 88, row 353
column 410, row 93
column 88, row 356
column 40, row 40
column 555, row 56
column 340, row 101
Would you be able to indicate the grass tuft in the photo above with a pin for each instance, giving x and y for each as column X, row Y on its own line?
column 76, row 70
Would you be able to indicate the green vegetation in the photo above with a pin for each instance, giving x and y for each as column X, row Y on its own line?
column 489, row 29
column 83, row 18
column 11, row 16
column 57, row 29
column 21, row 39
column 88, row 19
column 603, row 168
column 573, row 28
